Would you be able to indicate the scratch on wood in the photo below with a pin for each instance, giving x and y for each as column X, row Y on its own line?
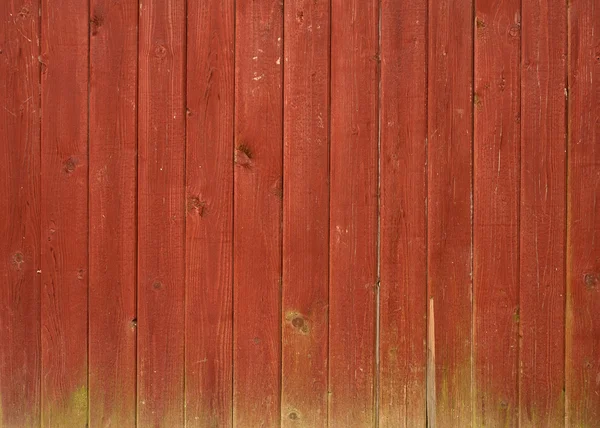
column 431, row 395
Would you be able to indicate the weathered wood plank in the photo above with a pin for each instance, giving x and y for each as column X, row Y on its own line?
column 64, row 212
column 449, row 200
column 353, row 212
column 20, row 214
column 209, row 216
column 403, row 176
column 583, row 224
column 305, row 214
column 257, row 213
column 112, row 199
column 542, row 218
column 161, row 213
column 496, row 211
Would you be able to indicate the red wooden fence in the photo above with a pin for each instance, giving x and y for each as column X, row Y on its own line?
column 302, row 213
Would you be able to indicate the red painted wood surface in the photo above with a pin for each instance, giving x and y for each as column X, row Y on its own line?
column 64, row 212
column 305, row 214
column 403, row 176
column 257, row 213
column 496, row 211
column 209, row 215
column 583, row 218
column 20, row 214
column 542, row 217
column 112, row 202
column 345, row 213
column 353, row 212
column 161, row 213
column 449, row 201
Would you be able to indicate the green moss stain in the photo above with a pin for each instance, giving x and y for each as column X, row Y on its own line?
column 516, row 316
column 454, row 394
column 73, row 412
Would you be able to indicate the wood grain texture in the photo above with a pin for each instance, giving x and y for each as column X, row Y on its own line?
column 403, row 175
column 258, row 213
column 161, row 213
column 542, row 218
column 20, row 214
column 112, row 202
column 353, row 212
column 449, row 252
column 496, row 211
column 583, row 225
column 305, row 214
column 209, row 215
column 64, row 213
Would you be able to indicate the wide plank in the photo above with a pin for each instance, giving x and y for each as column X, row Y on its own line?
column 449, row 213
column 209, row 214
column 257, row 234
column 403, row 239
column 305, row 214
column 496, row 183
column 543, row 214
column 64, row 212
column 20, row 214
column 161, row 213
column 583, row 218
column 353, row 281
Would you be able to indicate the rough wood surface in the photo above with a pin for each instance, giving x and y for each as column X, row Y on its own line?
column 583, row 223
column 449, row 201
column 257, row 213
column 496, row 167
column 403, row 176
column 64, row 212
column 353, row 212
column 112, row 202
column 161, row 213
column 305, row 214
column 19, row 214
column 209, row 213
column 542, row 218
column 330, row 213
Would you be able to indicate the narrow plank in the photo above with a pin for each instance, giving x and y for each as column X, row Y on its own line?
column 112, row 202
column 64, row 213
column 161, row 213
column 403, row 288
column 583, row 224
column 449, row 256
column 258, row 213
column 20, row 217
column 496, row 211
column 353, row 212
column 305, row 214
column 542, row 218
column 209, row 181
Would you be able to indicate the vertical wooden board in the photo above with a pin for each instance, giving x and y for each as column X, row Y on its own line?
column 353, row 212
column 209, row 181
column 496, row 211
column 64, row 213
column 449, row 251
column 305, row 214
column 112, row 199
column 161, row 205
column 20, row 214
column 542, row 218
column 403, row 287
column 583, row 224
column 258, row 213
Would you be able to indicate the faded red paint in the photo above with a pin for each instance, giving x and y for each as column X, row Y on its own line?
column 300, row 213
